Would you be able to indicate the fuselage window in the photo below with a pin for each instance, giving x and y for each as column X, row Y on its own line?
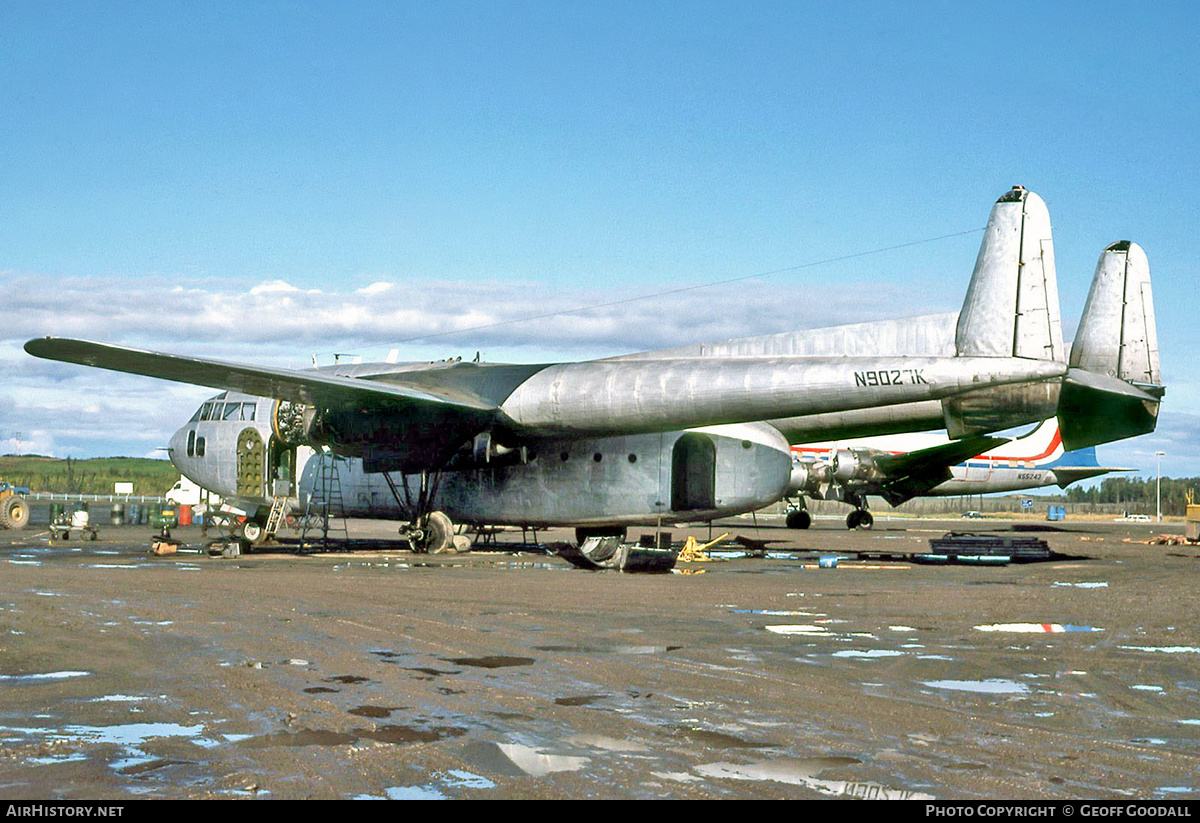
column 248, row 410
column 233, row 411
column 199, row 446
column 191, row 449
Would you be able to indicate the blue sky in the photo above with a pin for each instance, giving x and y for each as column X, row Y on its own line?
column 269, row 181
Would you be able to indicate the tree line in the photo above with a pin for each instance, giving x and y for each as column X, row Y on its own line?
column 91, row 476
column 1140, row 494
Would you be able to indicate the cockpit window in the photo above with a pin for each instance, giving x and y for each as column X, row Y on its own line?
column 233, row 411
column 248, row 410
column 206, row 411
column 196, row 416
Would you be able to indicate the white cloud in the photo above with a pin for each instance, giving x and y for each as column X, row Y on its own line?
column 64, row 409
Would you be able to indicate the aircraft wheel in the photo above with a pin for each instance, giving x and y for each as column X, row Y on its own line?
column 800, row 519
column 252, row 532
column 865, row 520
column 852, row 519
column 584, row 532
column 15, row 513
column 438, row 535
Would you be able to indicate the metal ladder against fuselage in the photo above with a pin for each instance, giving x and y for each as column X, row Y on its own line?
column 324, row 503
column 279, row 508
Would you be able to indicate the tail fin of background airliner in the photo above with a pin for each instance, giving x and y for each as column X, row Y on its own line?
column 1011, row 310
column 1114, row 386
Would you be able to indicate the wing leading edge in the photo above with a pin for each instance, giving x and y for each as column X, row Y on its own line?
column 310, row 387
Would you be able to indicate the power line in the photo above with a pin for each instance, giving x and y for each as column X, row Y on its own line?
column 685, row 289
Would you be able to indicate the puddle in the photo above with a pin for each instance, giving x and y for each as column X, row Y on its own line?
column 1036, row 628
column 371, row 711
column 29, row 679
column 428, row 671
column 1095, row 585
column 644, row 649
column 803, row 629
column 990, row 686
column 871, row 654
column 321, row 690
column 608, row 744
column 490, row 662
column 1164, row 649
column 129, row 737
column 714, row 739
column 582, row 700
column 805, row 773
column 453, row 779
column 348, row 679
column 394, row 735
column 537, row 763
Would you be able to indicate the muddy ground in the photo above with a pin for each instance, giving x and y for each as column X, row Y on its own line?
column 507, row 674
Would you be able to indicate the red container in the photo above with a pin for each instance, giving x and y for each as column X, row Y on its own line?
column 185, row 515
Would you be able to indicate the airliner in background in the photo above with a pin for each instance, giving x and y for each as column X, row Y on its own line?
column 895, row 467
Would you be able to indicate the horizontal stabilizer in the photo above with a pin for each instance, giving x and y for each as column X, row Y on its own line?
column 1066, row 475
column 1097, row 409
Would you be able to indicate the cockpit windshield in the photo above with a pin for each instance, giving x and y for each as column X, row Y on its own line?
column 217, row 409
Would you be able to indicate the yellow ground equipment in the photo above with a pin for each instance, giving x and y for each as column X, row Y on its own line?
column 694, row 552
column 14, row 508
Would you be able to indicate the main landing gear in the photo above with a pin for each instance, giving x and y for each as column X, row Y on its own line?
column 429, row 531
column 860, row 518
column 798, row 518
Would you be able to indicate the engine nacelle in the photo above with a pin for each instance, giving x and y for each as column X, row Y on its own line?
column 808, row 476
column 856, row 465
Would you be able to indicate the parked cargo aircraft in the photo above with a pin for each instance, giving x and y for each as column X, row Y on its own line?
column 1116, row 338
column 645, row 439
column 899, row 467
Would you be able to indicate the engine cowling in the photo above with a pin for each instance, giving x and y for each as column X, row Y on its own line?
column 856, row 465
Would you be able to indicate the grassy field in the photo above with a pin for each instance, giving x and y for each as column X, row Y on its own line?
column 92, row 476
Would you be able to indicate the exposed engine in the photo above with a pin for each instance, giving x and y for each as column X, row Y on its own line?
column 857, row 465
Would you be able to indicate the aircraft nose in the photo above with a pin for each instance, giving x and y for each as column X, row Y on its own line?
column 176, row 447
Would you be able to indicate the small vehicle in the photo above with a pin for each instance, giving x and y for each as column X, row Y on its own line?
column 972, row 514
column 14, row 509
column 78, row 520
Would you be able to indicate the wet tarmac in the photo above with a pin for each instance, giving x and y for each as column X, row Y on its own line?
column 510, row 674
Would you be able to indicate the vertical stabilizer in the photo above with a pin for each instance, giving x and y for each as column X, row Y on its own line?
column 1114, row 386
column 1116, row 335
column 1011, row 308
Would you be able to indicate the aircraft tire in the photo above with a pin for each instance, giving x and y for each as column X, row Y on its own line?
column 252, row 532
column 852, row 519
column 865, row 520
column 14, row 513
column 800, row 519
column 439, row 534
